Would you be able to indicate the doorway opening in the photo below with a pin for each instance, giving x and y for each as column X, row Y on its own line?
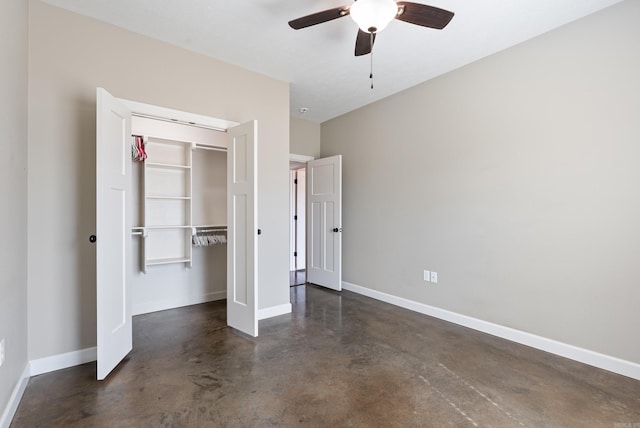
column 297, row 219
column 319, row 211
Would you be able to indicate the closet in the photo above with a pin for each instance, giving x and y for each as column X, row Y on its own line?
column 147, row 216
column 179, row 214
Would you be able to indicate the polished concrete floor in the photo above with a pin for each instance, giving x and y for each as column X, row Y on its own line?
column 297, row 277
column 339, row 360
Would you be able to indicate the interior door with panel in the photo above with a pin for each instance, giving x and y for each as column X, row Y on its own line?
column 324, row 222
column 242, row 228
column 113, row 229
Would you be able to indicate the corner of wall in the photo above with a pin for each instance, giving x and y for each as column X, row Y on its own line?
column 14, row 18
column 14, row 400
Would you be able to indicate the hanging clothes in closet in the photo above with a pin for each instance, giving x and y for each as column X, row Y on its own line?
column 138, row 152
column 209, row 238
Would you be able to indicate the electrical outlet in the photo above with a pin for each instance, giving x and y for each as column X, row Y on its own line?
column 427, row 276
column 1, row 352
column 434, row 277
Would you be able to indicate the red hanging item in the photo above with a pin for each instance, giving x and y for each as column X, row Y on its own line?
column 137, row 149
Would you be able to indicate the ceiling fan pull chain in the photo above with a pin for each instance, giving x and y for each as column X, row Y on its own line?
column 371, row 64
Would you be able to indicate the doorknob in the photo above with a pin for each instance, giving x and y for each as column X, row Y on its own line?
column 259, row 231
column 92, row 239
column 336, row 230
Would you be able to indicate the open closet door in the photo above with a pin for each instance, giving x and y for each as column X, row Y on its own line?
column 113, row 230
column 242, row 219
column 324, row 222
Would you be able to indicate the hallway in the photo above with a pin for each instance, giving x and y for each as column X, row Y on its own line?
column 340, row 359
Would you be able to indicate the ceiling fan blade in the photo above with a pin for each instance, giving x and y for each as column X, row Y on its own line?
column 364, row 43
column 319, row 17
column 424, row 15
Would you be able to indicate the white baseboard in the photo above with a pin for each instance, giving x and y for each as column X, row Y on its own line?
column 14, row 400
column 274, row 311
column 161, row 305
column 75, row 358
column 606, row 362
column 62, row 361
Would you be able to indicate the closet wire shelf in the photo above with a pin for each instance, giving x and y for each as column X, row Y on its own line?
column 142, row 230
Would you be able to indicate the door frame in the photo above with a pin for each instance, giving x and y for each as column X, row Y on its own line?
column 300, row 158
column 171, row 115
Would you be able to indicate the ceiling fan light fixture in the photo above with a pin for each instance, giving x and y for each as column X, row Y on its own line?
column 372, row 16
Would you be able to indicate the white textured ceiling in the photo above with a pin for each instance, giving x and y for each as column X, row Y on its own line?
column 318, row 61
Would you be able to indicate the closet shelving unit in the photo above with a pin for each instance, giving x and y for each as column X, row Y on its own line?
column 167, row 202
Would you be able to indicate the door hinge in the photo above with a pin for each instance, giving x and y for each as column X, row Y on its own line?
column 295, row 217
column 295, row 181
column 295, row 254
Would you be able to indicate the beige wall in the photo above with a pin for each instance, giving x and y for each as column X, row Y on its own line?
column 13, row 194
column 516, row 179
column 70, row 56
column 304, row 137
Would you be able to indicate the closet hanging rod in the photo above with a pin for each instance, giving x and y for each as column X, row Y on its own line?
column 181, row 122
column 210, row 230
column 215, row 149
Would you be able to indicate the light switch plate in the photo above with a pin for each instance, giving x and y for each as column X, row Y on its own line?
column 434, row 277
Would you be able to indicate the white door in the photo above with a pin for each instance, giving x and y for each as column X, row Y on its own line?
column 113, row 229
column 242, row 228
column 324, row 222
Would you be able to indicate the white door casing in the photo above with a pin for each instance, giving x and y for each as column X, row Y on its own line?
column 324, row 222
column 113, row 228
column 242, row 228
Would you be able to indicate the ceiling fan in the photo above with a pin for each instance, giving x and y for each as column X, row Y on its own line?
column 372, row 16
